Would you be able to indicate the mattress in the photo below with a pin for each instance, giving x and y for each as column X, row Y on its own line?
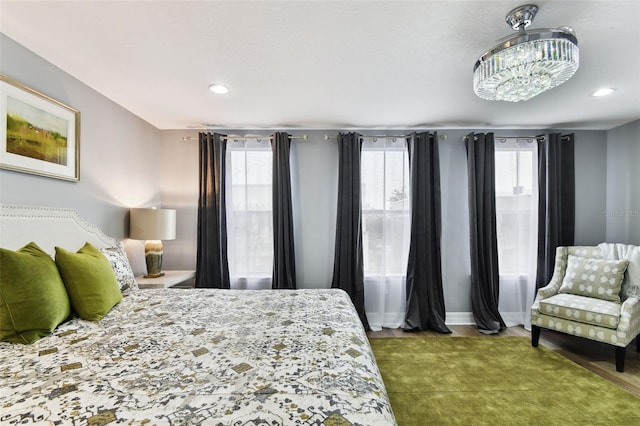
column 201, row 356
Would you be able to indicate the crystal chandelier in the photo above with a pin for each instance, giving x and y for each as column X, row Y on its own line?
column 524, row 65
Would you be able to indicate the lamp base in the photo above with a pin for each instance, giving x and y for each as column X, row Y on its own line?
column 153, row 257
column 160, row 274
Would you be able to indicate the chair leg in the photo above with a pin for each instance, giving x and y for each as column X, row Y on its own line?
column 535, row 335
column 620, row 353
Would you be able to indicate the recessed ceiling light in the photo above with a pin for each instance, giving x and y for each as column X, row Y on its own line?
column 218, row 89
column 603, row 92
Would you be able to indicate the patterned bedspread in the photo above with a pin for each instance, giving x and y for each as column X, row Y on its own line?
column 201, row 356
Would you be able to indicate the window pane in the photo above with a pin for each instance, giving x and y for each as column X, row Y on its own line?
column 513, row 220
column 396, row 227
column 525, row 171
column 506, row 176
column 372, row 241
column 372, row 180
column 238, row 168
column 259, row 165
column 396, row 184
column 260, row 243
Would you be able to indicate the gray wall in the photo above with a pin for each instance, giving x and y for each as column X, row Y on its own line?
column 179, row 183
column 591, row 182
column 315, row 165
column 623, row 184
column 456, row 267
column 118, row 152
column 314, row 169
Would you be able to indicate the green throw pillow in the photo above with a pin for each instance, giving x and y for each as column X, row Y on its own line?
column 90, row 281
column 33, row 300
column 597, row 278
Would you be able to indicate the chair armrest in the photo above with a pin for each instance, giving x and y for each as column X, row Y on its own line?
column 546, row 292
column 629, row 325
column 559, row 270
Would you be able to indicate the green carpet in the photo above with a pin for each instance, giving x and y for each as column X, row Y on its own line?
column 501, row 380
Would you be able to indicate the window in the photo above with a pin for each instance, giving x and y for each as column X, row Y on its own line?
column 249, row 213
column 514, row 206
column 517, row 226
column 386, row 224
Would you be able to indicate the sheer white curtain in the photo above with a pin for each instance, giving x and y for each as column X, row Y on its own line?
column 386, row 222
column 517, row 226
column 249, row 213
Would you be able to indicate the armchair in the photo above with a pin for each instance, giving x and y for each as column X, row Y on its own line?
column 594, row 293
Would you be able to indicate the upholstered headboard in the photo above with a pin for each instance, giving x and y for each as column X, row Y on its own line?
column 48, row 227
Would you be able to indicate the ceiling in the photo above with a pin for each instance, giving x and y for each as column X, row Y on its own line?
column 327, row 64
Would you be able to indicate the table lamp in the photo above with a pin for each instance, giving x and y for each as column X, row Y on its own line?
column 152, row 225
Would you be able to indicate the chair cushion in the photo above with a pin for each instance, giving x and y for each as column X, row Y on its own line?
column 587, row 310
column 597, row 278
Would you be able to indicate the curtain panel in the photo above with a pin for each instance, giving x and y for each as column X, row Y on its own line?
column 485, row 281
column 212, row 267
column 425, row 299
column 284, row 256
column 386, row 229
column 348, row 266
column 556, row 202
column 517, row 225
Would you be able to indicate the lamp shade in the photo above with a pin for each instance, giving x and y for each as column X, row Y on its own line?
column 152, row 224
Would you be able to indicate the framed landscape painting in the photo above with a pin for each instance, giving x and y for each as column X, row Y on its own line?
column 38, row 134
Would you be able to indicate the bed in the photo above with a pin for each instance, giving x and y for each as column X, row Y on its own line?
column 196, row 356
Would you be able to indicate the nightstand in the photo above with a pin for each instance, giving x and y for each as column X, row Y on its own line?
column 178, row 279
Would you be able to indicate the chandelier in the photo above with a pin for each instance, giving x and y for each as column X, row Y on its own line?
column 524, row 65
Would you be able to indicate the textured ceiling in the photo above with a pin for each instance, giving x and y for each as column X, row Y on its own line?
column 327, row 64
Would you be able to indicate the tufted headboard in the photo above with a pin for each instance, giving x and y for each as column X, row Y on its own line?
column 48, row 227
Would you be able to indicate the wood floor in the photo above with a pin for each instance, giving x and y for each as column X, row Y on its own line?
column 594, row 356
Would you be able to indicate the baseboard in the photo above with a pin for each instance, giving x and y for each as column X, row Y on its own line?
column 466, row 318
column 459, row 318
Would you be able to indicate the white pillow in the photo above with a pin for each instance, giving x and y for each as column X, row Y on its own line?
column 597, row 278
column 117, row 256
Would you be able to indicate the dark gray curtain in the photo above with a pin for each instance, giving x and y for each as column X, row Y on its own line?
column 212, row 267
column 556, row 200
column 348, row 268
column 485, row 281
column 425, row 299
column 284, row 256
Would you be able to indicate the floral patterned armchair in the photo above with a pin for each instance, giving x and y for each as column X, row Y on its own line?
column 594, row 293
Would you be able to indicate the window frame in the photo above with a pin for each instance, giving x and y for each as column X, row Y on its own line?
column 245, row 276
column 398, row 144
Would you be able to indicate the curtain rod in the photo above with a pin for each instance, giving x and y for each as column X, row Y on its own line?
column 189, row 138
column 504, row 138
column 538, row 138
column 327, row 137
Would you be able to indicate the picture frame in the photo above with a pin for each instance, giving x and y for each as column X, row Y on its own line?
column 38, row 134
